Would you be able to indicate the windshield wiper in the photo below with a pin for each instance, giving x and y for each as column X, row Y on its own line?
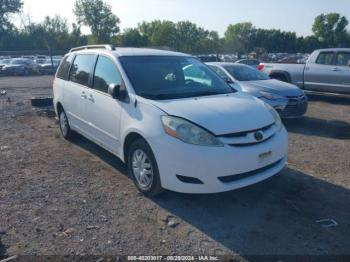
column 209, row 93
column 155, row 96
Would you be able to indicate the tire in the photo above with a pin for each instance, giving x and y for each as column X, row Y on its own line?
column 66, row 131
column 140, row 160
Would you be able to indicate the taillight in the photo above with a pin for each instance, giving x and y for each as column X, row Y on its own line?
column 260, row 67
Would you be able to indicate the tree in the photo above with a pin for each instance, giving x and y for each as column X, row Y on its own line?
column 330, row 29
column 8, row 7
column 131, row 37
column 159, row 33
column 98, row 16
column 238, row 37
column 191, row 39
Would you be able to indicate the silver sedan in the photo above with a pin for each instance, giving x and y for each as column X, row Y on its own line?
column 289, row 100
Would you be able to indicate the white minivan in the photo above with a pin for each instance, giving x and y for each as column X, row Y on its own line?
column 170, row 118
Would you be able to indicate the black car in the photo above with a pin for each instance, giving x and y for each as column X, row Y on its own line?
column 3, row 63
column 49, row 67
column 20, row 66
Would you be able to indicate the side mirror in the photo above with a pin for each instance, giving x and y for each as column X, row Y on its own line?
column 114, row 90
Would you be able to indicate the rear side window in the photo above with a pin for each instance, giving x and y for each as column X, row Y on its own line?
column 106, row 73
column 343, row 59
column 325, row 58
column 63, row 70
column 81, row 69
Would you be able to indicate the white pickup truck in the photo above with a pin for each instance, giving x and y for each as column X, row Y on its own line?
column 326, row 70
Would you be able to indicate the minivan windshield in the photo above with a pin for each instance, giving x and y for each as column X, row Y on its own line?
column 172, row 77
column 245, row 73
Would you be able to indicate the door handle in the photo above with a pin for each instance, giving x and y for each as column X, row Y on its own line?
column 335, row 69
column 83, row 95
column 91, row 98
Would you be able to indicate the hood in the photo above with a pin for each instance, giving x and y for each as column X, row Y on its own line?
column 221, row 114
column 272, row 86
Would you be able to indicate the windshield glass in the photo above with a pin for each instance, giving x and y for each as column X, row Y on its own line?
column 245, row 73
column 168, row 77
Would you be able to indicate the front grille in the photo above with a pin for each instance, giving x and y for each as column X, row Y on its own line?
column 233, row 178
column 253, row 143
column 294, row 109
column 244, row 133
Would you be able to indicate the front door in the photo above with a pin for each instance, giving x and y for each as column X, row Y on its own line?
column 319, row 76
column 343, row 72
column 104, row 112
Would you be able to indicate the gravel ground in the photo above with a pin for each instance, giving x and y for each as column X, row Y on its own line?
column 61, row 198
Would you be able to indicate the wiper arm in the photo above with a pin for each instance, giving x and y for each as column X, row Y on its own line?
column 208, row 93
column 155, row 96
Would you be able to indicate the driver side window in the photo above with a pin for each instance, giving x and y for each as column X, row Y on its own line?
column 196, row 74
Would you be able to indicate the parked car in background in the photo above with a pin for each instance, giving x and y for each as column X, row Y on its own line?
column 175, row 122
column 20, row 66
column 49, row 66
column 209, row 58
column 326, row 70
column 3, row 63
column 289, row 100
column 250, row 62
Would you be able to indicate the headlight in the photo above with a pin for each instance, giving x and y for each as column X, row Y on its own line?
column 276, row 116
column 269, row 96
column 188, row 132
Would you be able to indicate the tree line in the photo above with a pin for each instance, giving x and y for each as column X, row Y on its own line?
column 55, row 33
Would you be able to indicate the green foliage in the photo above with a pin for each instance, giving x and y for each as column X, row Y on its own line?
column 159, row 33
column 183, row 36
column 131, row 37
column 238, row 37
column 8, row 7
column 98, row 16
column 54, row 33
column 330, row 29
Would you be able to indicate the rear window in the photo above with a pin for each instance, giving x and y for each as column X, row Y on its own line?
column 63, row 70
column 325, row 58
column 245, row 73
column 81, row 69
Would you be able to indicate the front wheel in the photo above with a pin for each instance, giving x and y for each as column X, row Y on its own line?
column 143, row 168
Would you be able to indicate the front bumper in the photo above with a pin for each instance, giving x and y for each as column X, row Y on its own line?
column 296, row 107
column 217, row 167
column 278, row 104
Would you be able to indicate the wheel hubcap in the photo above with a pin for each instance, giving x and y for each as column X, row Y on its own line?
column 64, row 123
column 142, row 169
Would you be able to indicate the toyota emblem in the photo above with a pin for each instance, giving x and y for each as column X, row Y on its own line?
column 258, row 136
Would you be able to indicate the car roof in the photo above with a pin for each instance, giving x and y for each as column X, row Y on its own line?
column 333, row 50
column 131, row 51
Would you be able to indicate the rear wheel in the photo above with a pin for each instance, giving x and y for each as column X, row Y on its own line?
column 143, row 168
column 66, row 131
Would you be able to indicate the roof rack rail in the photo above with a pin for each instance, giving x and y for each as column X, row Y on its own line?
column 87, row 47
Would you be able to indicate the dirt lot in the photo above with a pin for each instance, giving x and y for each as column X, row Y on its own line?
column 61, row 198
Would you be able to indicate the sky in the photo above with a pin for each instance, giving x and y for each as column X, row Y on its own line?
column 289, row 15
